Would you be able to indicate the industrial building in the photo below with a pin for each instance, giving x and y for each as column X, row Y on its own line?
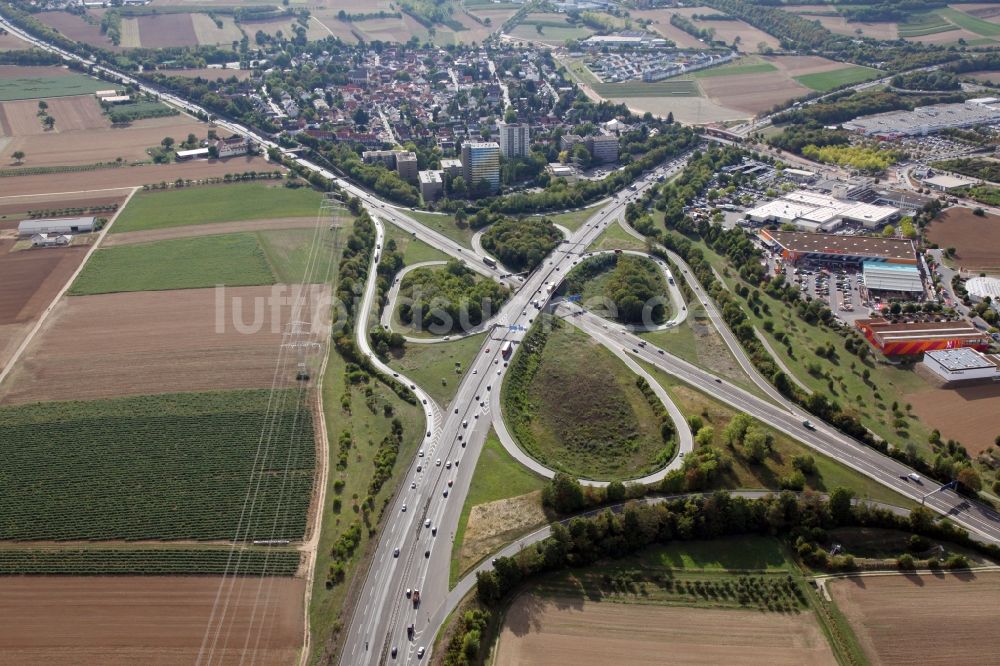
column 812, row 211
column 557, row 170
column 925, row 120
column 962, row 364
column 69, row 225
column 945, row 183
column 981, row 288
column 481, row 161
column 830, row 249
column 431, row 184
column 916, row 337
column 514, row 139
column 890, row 280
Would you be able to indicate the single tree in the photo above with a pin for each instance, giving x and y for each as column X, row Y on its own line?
column 49, row 122
column 167, row 142
column 18, row 156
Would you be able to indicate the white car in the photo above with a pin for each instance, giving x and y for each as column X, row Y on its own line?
column 404, row 508
column 438, row 463
column 427, row 523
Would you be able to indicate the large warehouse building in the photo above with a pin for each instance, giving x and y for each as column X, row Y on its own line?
column 812, row 211
column 70, row 225
column 953, row 365
column 887, row 279
column 910, row 338
column 981, row 288
column 829, row 249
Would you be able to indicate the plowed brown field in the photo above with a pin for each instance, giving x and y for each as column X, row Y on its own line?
column 166, row 30
column 106, row 181
column 76, row 29
column 70, row 145
column 29, row 280
column 542, row 632
column 976, row 239
column 968, row 415
column 149, row 620
column 927, row 620
column 82, row 112
column 152, row 342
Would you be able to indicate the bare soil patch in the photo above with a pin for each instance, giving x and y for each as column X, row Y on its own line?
column 976, row 239
column 947, row 37
column 988, row 77
column 494, row 524
column 208, row 33
column 146, row 619
column 87, row 146
column 727, row 31
column 209, row 74
column 982, row 10
column 800, row 65
column 30, row 278
column 968, row 414
column 24, row 188
column 82, row 112
column 752, row 93
column 170, row 233
column 662, row 25
column 28, row 71
column 690, row 110
column 901, row 619
column 544, row 631
column 9, row 42
column 840, row 25
column 76, row 28
column 161, row 342
column 165, row 30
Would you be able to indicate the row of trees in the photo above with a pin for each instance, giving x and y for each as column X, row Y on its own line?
column 615, row 534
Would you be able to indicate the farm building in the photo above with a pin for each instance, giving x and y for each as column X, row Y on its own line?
column 50, row 240
column 909, row 338
column 191, row 154
column 892, row 279
column 962, row 364
column 68, row 225
column 838, row 250
column 233, row 146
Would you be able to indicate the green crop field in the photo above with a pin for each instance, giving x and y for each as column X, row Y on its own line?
column 222, row 203
column 147, row 561
column 970, row 23
column 824, row 81
column 49, row 84
column 299, row 256
column 670, row 88
column 920, row 25
column 173, row 466
column 234, row 260
column 575, row 407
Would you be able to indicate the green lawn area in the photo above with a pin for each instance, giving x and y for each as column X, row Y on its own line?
column 414, row 250
column 669, row 88
column 747, row 476
column 444, row 224
column 758, row 553
column 497, row 476
column 49, row 84
column 367, row 427
column 841, row 379
column 575, row 407
column 550, row 33
column 218, row 203
column 234, row 260
column 579, row 68
column 438, row 368
column 824, row 81
column 613, row 238
column 970, row 23
column 288, row 253
column 573, row 219
column 744, row 66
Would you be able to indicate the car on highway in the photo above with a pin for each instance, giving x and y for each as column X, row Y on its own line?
column 445, row 493
column 808, row 425
column 413, row 486
column 451, row 482
column 409, row 593
column 420, row 652
column 438, row 463
column 395, row 552
column 394, row 651
column 427, row 523
column 420, row 468
column 475, row 371
column 913, row 476
column 404, row 509
column 420, row 453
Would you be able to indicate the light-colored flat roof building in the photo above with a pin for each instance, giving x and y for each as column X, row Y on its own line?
column 947, row 183
column 900, row 278
column 962, row 364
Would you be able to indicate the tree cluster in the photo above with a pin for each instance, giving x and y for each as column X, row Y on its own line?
column 432, row 297
column 521, row 245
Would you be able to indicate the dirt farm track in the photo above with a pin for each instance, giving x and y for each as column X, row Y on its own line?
column 160, row 342
column 150, row 620
column 552, row 632
column 926, row 620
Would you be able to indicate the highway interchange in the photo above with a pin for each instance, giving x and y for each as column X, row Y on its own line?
column 455, row 436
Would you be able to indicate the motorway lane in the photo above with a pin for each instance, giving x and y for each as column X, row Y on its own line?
column 382, row 618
